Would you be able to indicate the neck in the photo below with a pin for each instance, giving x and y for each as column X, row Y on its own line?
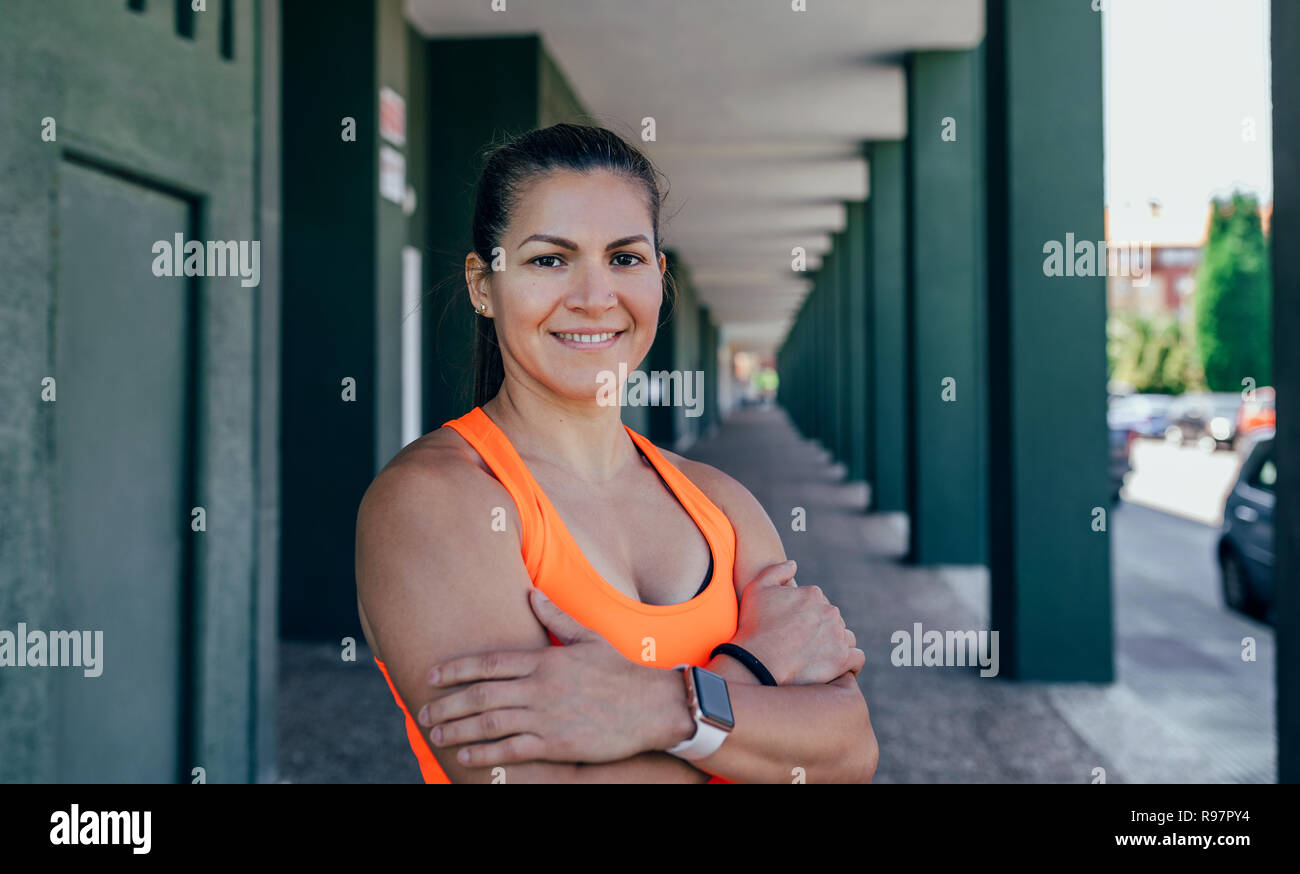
column 583, row 439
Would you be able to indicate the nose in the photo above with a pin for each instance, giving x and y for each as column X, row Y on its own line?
column 591, row 294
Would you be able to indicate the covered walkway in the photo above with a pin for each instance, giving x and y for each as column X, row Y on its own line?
column 934, row 724
column 860, row 193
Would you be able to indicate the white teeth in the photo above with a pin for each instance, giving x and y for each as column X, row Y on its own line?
column 586, row 338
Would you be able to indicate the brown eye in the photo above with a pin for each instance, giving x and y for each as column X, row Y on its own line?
column 637, row 259
column 543, row 258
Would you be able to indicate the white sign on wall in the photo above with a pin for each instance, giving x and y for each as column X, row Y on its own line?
column 392, row 174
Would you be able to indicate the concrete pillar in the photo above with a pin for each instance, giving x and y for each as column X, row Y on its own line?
column 816, row 350
column 341, row 334
column 708, row 356
column 1285, row 230
column 886, row 316
column 834, row 350
column 1049, row 562
column 856, row 342
column 946, row 392
column 504, row 101
column 803, row 397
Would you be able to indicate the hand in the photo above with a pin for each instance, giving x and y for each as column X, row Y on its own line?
column 799, row 635
column 580, row 702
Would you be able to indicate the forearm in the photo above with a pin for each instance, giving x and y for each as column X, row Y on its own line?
column 647, row 767
column 661, row 767
column 774, row 734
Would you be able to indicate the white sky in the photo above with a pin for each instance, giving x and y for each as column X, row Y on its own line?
column 1180, row 76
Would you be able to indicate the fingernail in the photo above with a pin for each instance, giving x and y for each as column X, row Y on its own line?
column 424, row 715
column 434, row 675
column 437, row 735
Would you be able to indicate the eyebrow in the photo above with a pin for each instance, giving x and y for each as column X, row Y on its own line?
column 572, row 246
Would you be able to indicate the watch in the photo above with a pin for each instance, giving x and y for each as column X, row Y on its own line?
column 706, row 695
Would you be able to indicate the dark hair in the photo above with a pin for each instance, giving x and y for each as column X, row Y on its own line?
column 513, row 165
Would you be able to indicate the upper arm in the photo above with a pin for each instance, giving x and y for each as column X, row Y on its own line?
column 436, row 581
column 758, row 544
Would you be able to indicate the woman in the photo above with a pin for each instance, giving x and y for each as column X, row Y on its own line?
column 539, row 518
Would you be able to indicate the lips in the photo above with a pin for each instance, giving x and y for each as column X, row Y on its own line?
column 587, row 339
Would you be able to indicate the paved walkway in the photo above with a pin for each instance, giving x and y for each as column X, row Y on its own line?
column 934, row 724
column 945, row 725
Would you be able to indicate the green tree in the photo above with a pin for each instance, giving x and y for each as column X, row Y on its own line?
column 1126, row 336
column 1234, row 298
column 1152, row 355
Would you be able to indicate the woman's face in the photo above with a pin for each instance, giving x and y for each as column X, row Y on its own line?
column 574, row 239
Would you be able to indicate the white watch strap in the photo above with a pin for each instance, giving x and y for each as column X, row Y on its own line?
column 705, row 741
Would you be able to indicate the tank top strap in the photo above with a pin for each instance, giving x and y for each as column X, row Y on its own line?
column 707, row 515
column 496, row 450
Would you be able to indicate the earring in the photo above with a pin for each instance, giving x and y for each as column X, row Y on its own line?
column 482, row 308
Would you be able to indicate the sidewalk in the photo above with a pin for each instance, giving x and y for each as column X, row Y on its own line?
column 1184, row 709
column 933, row 724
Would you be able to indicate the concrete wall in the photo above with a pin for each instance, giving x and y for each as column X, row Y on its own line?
column 137, row 101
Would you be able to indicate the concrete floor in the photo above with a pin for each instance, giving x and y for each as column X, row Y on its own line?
column 1165, row 720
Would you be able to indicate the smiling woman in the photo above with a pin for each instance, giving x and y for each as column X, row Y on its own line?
column 540, row 518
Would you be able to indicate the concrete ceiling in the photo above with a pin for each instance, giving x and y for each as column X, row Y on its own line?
column 759, row 111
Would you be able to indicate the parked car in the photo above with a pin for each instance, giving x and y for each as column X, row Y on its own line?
column 1205, row 420
column 1246, row 540
column 1148, row 415
column 1119, row 422
column 1260, row 413
column 1121, row 443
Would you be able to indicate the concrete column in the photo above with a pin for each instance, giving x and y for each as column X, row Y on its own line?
column 1285, row 229
column 504, row 101
column 799, row 394
column 825, row 353
column 886, row 315
column 834, row 350
column 856, row 341
column 946, row 392
column 816, row 350
column 341, row 318
column 1049, row 562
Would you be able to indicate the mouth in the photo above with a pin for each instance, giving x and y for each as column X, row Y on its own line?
column 591, row 340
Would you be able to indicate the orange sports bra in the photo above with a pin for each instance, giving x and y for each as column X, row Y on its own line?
column 661, row 635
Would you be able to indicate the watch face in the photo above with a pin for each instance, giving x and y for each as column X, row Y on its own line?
column 715, row 703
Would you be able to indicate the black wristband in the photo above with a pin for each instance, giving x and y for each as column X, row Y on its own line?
column 746, row 658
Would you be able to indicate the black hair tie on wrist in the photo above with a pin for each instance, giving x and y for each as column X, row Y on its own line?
column 746, row 658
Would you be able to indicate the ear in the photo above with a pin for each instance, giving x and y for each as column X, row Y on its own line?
column 476, row 279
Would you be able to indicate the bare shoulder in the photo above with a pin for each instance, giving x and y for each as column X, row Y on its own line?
column 437, row 576
column 436, row 472
column 758, row 544
column 434, row 498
